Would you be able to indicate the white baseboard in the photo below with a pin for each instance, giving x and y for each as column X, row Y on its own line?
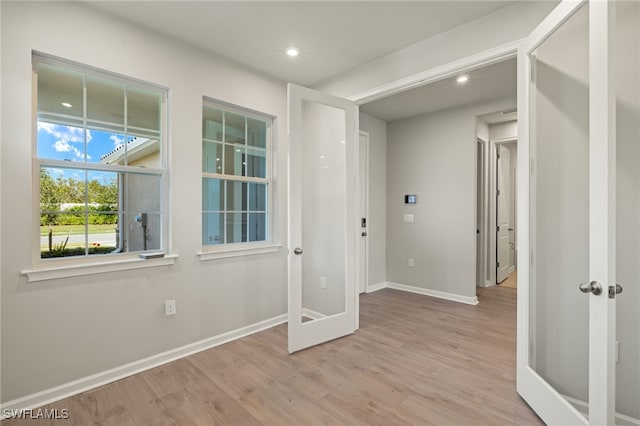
column 90, row 382
column 434, row 293
column 583, row 407
column 309, row 313
column 375, row 287
column 487, row 283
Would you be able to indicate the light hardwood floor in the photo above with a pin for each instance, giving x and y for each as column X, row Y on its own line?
column 511, row 281
column 415, row 360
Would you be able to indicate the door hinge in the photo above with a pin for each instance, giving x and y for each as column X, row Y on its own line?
column 498, row 192
column 498, row 228
column 497, row 264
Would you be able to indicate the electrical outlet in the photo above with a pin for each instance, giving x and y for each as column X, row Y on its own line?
column 323, row 282
column 170, row 307
column 410, row 262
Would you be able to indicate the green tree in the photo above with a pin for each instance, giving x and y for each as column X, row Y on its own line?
column 55, row 192
column 49, row 199
column 70, row 190
column 103, row 194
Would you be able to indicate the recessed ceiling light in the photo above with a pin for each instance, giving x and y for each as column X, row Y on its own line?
column 462, row 79
column 292, row 51
column 66, row 104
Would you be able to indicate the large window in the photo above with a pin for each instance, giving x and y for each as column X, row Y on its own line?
column 99, row 164
column 236, row 175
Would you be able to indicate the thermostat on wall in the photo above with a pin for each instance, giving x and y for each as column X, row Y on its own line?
column 410, row 199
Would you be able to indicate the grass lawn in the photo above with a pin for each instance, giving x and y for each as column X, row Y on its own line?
column 77, row 229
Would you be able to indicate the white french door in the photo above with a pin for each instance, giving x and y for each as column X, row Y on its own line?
column 323, row 214
column 567, row 208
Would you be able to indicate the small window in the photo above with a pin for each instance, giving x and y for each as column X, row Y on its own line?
column 236, row 175
column 99, row 162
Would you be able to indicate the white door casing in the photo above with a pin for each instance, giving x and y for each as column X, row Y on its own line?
column 323, row 217
column 540, row 393
column 363, row 200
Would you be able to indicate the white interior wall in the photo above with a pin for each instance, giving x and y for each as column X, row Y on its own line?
column 503, row 131
column 57, row 331
column 482, row 130
column 434, row 157
column 377, row 221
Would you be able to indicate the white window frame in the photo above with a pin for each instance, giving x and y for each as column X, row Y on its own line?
column 271, row 244
column 62, row 267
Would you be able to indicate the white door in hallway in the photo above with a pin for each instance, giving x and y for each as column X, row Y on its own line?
column 323, row 217
column 505, row 229
column 567, row 216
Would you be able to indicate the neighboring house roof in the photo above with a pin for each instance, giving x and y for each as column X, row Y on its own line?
column 137, row 148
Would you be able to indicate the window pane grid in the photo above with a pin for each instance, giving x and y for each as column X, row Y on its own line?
column 248, row 233
column 95, row 147
column 235, row 177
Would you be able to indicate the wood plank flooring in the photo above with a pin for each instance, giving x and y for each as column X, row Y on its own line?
column 511, row 281
column 416, row 360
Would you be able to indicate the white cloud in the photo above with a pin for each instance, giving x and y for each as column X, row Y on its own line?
column 117, row 141
column 62, row 145
column 55, row 172
column 66, row 136
column 67, row 133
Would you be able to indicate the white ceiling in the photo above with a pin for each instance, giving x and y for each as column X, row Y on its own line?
column 487, row 83
column 335, row 36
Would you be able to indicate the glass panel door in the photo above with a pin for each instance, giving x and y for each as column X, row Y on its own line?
column 566, row 340
column 627, row 76
column 559, row 222
column 324, row 206
column 322, row 165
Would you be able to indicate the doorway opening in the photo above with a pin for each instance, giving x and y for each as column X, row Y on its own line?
column 496, row 254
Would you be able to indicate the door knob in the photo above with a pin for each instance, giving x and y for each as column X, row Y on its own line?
column 592, row 287
column 618, row 289
column 297, row 251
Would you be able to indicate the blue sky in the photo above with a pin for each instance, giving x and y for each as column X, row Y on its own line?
column 61, row 142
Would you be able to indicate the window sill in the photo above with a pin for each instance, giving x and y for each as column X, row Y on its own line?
column 236, row 250
column 47, row 272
